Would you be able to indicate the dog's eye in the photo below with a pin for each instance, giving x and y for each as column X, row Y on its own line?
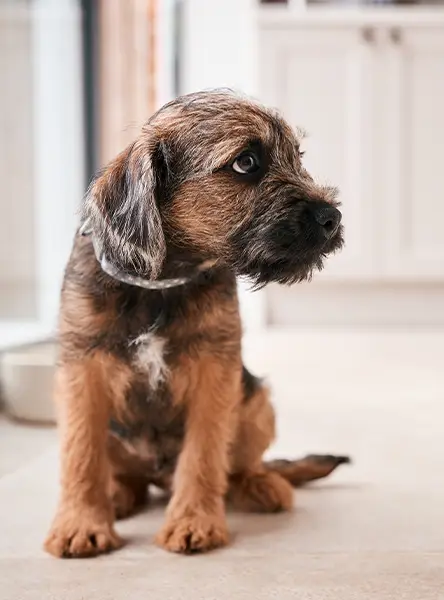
column 247, row 162
column 301, row 153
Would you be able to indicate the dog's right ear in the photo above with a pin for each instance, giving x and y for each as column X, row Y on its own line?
column 122, row 209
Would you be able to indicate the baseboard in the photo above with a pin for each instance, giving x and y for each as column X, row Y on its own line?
column 356, row 305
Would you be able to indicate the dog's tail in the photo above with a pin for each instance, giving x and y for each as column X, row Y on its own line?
column 269, row 490
column 302, row 471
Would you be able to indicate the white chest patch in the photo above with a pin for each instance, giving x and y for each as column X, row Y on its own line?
column 150, row 358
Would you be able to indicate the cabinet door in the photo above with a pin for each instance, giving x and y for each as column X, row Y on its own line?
column 414, row 153
column 321, row 78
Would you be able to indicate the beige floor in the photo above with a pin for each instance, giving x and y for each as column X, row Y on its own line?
column 374, row 531
column 20, row 443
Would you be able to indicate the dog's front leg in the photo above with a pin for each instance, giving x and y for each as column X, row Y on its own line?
column 195, row 518
column 83, row 525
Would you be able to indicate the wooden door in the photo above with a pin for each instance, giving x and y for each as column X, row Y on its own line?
column 127, row 71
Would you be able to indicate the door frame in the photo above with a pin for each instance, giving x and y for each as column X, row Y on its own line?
column 217, row 50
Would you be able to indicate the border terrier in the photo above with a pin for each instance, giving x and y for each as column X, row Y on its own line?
column 150, row 384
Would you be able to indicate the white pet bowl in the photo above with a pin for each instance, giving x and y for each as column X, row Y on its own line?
column 27, row 375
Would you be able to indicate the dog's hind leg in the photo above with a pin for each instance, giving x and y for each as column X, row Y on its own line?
column 267, row 486
column 128, row 494
column 252, row 486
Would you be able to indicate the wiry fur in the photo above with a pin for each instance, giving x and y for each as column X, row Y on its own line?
column 150, row 383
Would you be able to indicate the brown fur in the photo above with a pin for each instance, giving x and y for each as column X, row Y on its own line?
column 150, row 384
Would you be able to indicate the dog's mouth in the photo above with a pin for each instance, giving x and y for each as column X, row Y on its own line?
column 281, row 255
column 335, row 243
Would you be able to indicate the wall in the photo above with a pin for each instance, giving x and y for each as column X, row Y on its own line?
column 42, row 146
column 16, row 158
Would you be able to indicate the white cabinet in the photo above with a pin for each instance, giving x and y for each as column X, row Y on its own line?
column 322, row 80
column 372, row 98
column 414, row 152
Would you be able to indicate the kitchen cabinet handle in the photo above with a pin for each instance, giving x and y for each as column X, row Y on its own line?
column 395, row 36
column 368, row 35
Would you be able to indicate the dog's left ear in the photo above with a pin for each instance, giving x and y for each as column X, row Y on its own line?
column 122, row 209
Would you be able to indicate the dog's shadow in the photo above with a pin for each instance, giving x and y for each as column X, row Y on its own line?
column 241, row 524
column 260, row 525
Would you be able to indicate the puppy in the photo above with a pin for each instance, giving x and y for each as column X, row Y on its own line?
column 150, row 383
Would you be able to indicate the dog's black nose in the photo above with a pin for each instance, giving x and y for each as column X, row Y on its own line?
column 328, row 218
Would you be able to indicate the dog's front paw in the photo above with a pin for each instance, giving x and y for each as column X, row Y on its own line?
column 81, row 536
column 193, row 533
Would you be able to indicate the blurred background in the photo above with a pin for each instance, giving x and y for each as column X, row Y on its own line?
column 365, row 79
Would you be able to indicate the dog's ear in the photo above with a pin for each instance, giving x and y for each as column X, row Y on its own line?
column 122, row 209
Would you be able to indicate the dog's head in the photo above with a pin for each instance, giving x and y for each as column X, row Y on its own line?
column 215, row 177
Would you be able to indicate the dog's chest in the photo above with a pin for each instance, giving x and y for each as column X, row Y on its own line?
column 148, row 358
column 149, row 440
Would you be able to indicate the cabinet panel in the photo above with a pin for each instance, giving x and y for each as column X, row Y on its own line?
column 322, row 79
column 415, row 132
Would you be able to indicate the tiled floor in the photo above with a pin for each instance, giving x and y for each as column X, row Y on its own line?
column 19, row 443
